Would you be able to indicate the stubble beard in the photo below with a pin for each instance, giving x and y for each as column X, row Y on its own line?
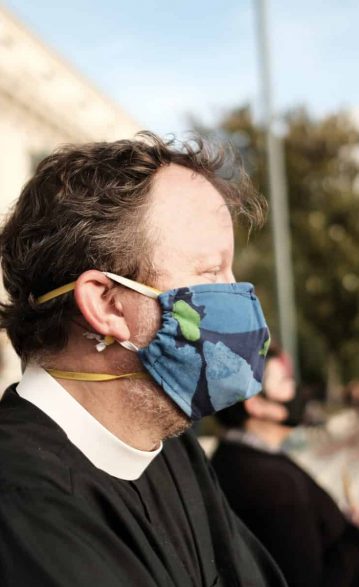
column 155, row 410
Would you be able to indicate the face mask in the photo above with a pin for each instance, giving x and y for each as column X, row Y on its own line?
column 210, row 349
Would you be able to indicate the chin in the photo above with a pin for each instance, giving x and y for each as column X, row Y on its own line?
column 174, row 421
column 177, row 427
column 156, row 410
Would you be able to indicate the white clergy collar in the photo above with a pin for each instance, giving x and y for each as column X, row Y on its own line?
column 99, row 445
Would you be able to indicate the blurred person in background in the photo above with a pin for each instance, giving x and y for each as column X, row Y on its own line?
column 351, row 394
column 95, row 487
column 302, row 527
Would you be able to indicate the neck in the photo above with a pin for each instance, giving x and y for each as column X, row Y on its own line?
column 137, row 411
column 272, row 433
column 110, row 402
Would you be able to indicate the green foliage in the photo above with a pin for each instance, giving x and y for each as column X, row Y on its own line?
column 322, row 164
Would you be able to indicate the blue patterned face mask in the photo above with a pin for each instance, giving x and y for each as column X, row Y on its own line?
column 210, row 349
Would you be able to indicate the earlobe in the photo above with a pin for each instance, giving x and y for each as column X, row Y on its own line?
column 97, row 305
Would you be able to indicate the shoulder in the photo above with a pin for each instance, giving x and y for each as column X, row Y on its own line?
column 31, row 447
column 255, row 473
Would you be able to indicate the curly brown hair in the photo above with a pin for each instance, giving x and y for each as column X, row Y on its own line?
column 84, row 208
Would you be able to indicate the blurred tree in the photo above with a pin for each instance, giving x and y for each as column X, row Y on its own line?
column 322, row 163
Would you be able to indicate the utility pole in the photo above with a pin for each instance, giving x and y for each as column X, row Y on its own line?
column 279, row 213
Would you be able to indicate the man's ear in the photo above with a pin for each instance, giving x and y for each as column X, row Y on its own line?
column 100, row 306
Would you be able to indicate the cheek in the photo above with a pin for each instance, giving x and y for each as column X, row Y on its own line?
column 146, row 322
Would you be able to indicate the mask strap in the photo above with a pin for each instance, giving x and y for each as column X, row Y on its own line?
column 55, row 293
column 130, row 346
column 82, row 376
column 145, row 290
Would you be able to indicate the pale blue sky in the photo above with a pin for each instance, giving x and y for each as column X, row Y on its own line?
column 161, row 60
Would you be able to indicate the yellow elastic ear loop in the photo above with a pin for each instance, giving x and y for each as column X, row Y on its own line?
column 80, row 376
column 59, row 291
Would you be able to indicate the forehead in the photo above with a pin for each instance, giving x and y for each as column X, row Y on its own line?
column 188, row 214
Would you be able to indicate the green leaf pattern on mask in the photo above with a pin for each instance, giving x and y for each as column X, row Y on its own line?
column 265, row 347
column 188, row 320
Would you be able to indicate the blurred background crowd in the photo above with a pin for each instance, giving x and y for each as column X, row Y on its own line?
column 77, row 72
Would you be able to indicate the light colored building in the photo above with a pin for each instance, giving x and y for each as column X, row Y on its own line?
column 44, row 102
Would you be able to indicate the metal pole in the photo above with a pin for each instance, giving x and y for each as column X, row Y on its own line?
column 278, row 196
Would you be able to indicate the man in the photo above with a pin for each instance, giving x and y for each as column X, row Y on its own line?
column 89, row 494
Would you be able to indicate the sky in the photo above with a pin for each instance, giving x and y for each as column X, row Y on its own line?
column 168, row 62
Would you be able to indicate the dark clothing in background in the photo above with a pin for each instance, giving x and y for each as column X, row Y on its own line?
column 66, row 523
column 295, row 519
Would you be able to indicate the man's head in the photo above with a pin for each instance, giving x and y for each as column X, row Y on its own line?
column 144, row 209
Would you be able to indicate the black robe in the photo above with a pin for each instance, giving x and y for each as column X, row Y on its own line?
column 299, row 523
column 66, row 523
